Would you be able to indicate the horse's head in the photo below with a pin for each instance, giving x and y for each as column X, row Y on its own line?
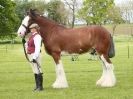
column 26, row 22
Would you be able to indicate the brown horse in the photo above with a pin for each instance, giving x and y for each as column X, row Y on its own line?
column 58, row 39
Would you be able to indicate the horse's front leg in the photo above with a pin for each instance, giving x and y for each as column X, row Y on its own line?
column 61, row 81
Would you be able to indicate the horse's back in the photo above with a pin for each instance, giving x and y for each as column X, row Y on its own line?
column 97, row 37
column 93, row 33
column 81, row 40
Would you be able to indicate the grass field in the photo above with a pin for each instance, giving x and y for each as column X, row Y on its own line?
column 17, row 81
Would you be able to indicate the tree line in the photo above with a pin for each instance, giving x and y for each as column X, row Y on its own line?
column 98, row 12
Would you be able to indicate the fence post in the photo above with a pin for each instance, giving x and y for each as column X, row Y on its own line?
column 6, row 48
column 128, row 51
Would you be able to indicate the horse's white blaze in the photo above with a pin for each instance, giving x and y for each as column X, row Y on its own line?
column 61, row 81
column 22, row 29
column 108, row 78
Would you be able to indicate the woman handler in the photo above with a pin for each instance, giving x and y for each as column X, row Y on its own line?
column 33, row 47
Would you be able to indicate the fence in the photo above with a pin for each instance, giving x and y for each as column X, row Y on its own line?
column 123, row 45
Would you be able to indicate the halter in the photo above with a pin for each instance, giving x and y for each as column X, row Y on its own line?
column 25, row 26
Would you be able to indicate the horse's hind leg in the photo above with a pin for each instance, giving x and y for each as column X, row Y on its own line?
column 61, row 81
column 108, row 78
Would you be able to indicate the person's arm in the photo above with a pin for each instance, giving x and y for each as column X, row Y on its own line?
column 37, row 41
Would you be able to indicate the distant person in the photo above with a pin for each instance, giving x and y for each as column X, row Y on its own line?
column 93, row 55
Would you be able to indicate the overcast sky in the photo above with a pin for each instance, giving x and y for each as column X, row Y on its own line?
column 118, row 2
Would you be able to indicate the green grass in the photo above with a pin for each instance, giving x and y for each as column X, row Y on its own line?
column 17, row 81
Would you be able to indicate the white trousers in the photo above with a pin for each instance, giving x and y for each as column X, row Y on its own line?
column 36, row 67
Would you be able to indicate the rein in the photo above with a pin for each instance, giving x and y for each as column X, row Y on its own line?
column 26, row 56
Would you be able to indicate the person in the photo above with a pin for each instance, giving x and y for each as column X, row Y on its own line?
column 33, row 49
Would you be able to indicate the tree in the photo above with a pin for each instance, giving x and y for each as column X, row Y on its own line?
column 24, row 5
column 73, row 6
column 114, row 17
column 126, row 10
column 95, row 11
column 56, row 11
column 8, row 18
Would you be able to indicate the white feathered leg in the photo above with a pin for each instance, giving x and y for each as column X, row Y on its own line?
column 98, row 83
column 61, row 81
column 108, row 78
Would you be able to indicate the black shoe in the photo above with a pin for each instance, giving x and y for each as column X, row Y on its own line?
column 39, row 89
column 35, row 89
column 39, row 82
column 36, row 81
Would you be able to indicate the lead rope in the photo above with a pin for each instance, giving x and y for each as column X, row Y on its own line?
column 26, row 56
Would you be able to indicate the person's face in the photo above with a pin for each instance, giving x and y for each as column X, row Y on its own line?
column 33, row 30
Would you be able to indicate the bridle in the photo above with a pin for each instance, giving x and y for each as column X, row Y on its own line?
column 25, row 26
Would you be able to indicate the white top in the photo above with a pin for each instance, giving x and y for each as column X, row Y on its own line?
column 37, row 41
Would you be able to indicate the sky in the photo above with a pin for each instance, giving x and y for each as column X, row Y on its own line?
column 119, row 2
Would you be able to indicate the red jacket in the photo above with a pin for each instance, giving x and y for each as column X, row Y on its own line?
column 31, row 45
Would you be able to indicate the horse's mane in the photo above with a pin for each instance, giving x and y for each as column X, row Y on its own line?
column 52, row 21
column 36, row 13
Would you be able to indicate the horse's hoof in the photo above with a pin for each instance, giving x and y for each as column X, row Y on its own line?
column 98, row 83
column 56, row 85
column 107, row 84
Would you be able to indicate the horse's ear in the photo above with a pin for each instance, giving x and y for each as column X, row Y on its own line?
column 27, row 13
column 32, row 13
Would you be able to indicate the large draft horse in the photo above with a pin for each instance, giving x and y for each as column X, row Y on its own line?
column 58, row 39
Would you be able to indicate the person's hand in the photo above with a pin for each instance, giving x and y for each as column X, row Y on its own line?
column 34, row 61
column 23, row 41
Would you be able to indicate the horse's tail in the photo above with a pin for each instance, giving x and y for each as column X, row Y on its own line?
column 111, row 53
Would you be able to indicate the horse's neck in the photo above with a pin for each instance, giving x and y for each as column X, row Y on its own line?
column 43, row 22
column 48, row 26
column 45, row 28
